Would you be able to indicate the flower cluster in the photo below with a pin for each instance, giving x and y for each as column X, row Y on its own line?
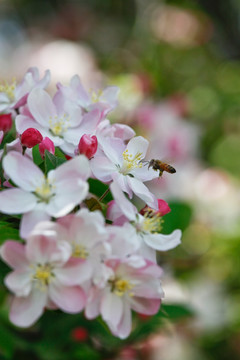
column 78, row 252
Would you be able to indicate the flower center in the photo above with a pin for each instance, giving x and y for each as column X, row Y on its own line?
column 8, row 89
column 95, row 95
column 80, row 251
column 44, row 192
column 43, row 275
column 121, row 286
column 59, row 124
column 130, row 162
column 152, row 222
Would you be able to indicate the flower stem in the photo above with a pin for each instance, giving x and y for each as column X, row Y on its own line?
column 104, row 194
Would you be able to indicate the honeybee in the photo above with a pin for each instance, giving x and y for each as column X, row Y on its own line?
column 160, row 166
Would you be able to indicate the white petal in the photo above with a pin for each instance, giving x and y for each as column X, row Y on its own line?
column 128, row 209
column 136, row 145
column 41, row 106
column 111, row 309
column 16, row 201
column 22, row 171
column 163, row 242
column 142, row 192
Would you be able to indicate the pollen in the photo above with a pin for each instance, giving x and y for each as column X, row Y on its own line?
column 80, row 251
column 9, row 89
column 121, row 286
column 152, row 222
column 59, row 124
column 43, row 275
column 45, row 191
column 95, row 95
column 130, row 162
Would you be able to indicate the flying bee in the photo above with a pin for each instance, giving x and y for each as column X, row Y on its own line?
column 160, row 166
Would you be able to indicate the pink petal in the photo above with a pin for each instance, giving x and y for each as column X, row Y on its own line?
column 19, row 282
column 127, row 208
column 16, row 201
column 13, row 253
column 30, row 220
column 74, row 272
column 75, row 168
column 22, row 171
column 145, row 306
column 71, row 299
column 26, row 310
column 41, row 106
column 92, row 309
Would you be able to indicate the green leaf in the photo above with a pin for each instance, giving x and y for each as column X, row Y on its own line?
column 59, row 153
column 52, row 161
column 37, row 159
column 179, row 217
column 175, row 312
column 7, row 342
column 8, row 232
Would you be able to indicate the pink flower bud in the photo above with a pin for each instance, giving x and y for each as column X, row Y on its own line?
column 163, row 208
column 30, row 138
column 5, row 122
column 46, row 144
column 88, row 145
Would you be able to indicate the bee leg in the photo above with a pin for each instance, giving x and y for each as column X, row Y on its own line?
column 160, row 173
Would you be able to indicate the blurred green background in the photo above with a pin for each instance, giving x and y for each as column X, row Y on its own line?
column 177, row 64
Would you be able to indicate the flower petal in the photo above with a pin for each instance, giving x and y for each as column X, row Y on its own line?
column 136, row 145
column 22, row 171
column 30, row 219
column 13, row 253
column 111, row 309
column 71, row 299
column 145, row 306
column 142, row 192
column 41, row 106
column 26, row 310
column 16, row 201
column 163, row 242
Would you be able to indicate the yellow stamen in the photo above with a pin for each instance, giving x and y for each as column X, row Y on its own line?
column 121, row 286
column 152, row 222
column 95, row 95
column 59, row 125
column 130, row 162
column 9, row 89
column 44, row 192
column 43, row 275
column 80, row 251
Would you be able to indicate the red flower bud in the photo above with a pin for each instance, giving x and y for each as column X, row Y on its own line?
column 5, row 122
column 79, row 334
column 163, row 208
column 30, row 138
column 88, row 145
column 46, row 144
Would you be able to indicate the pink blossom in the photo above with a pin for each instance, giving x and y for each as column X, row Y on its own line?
column 103, row 100
column 88, row 145
column 128, row 287
column 123, row 164
column 147, row 227
column 13, row 95
column 46, row 144
column 39, row 197
column 59, row 120
column 44, row 275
